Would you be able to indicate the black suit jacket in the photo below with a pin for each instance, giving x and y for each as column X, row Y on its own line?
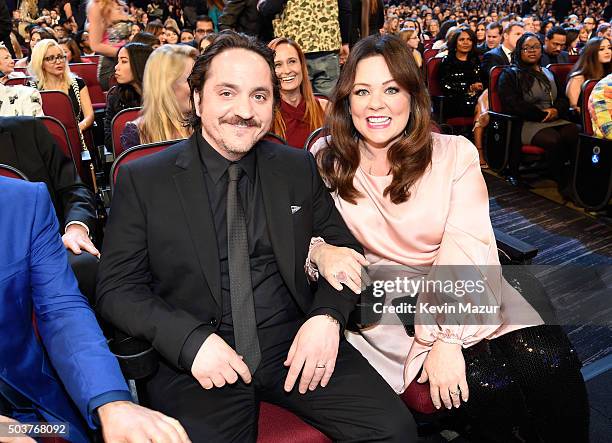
column 159, row 276
column 26, row 145
column 563, row 57
column 494, row 57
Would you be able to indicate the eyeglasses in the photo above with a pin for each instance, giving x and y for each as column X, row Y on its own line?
column 531, row 48
column 204, row 31
column 55, row 58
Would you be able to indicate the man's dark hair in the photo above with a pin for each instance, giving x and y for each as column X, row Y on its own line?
column 495, row 25
column 555, row 30
column 225, row 41
column 204, row 18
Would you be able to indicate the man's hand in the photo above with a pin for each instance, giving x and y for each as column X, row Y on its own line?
column 75, row 239
column 19, row 438
column 314, row 348
column 444, row 367
column 216, row 364
column 344, row 53
column 126, row 422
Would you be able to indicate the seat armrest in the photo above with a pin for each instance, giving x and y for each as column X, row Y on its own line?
column 514, row 251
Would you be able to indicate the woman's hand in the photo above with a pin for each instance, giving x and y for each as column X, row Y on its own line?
column 475, row 88
column 444, row 367
column 339, row 265
column 551, row 115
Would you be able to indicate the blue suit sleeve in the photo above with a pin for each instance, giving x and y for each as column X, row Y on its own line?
column 67, row 325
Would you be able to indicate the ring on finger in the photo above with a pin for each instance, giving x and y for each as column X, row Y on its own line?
column 340, row 276
column 455, row 392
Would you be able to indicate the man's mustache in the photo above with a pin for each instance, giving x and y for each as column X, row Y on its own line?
column 251, row 122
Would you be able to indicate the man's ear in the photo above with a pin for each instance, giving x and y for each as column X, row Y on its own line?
column 196, row 101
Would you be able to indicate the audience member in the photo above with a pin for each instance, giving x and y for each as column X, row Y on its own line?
column 501, row 56
column 242, row 16
column 165, row 97
column 443, row 197
column 493, row 38
column 481, row 33
column 589, row 25
column 135, row 29
column 206, row 41
column 187, row 36
column 71, row 50
column 410, row 37
column 300, row 112
column 367, row 18
column 204, row 27
column 69, row 374
column 7, row 65
column 171, row 34
column 531, row 92
column 459, row 74
column 109, row 29
column 271, row 327
column 36, row 34
column 553, row 47
column 605, row 30
column 50, row 72
column 600, row 108
column 147, row 39
column 594, row 64
column 215, row 9
column 324, row 37
column 82, row 38
column 129, row 74
column 571, row 42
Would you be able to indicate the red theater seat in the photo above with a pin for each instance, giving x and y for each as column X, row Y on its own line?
column 89, row 73
column 277, row 425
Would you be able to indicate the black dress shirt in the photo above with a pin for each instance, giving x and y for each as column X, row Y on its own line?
column 274, row 304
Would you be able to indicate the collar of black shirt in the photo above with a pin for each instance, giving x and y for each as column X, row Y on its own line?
column 216, row 165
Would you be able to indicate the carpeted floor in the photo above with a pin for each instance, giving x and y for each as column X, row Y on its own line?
column 569, row 239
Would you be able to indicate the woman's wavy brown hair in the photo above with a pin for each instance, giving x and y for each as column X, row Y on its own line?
column 409, row 155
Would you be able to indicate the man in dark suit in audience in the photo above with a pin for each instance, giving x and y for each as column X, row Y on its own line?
column 59, row 369
column 204, row 257
column 552, row 51
column 501, row 56
column 493, row 38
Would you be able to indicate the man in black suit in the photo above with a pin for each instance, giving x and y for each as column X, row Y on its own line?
column 493, row 38
column 204, row 257
column 28, row 146
column 501, row 56
column 552, row 51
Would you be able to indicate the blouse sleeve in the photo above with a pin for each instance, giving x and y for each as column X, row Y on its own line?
column 467, row 252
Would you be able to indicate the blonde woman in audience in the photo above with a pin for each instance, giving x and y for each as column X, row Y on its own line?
column 300, row 112
column 165, row 97
column 411, row 38
column 594, row 64
column 49, row 70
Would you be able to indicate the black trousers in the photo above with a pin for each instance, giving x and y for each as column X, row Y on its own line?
column 357, row 405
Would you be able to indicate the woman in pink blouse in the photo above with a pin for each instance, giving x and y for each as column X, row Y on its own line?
column 418, row 199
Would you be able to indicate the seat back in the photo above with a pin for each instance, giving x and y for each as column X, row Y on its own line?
column 430, row 53
column 494, row 98
column 117, row 126
column 561, row 71
column 432, row 78
column 60, row 135
column 11, row 172
column 24, row 70
column 136, row 152
column 58, row 105
column 573, row 58
column 91, row 59
column 587, row 123
column 89, row 73
column 314, row 136
column 19, row 81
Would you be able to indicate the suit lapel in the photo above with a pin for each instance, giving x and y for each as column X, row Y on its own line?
column 277, row 202
column 191, row 188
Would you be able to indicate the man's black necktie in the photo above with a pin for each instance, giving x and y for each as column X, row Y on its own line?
column 241, row 291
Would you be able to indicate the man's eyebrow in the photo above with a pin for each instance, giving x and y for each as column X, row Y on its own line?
column 235, row 86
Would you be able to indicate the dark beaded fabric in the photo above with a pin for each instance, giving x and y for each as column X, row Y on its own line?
column 456, row 77
column 525, row 386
